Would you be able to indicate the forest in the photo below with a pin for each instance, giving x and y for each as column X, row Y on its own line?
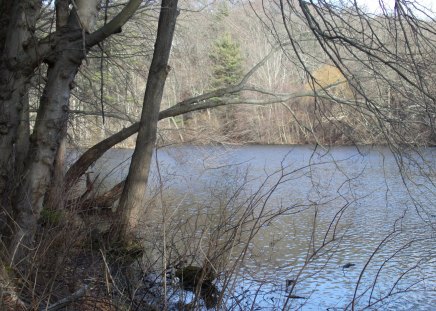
column 81, row 79
column 276, row 101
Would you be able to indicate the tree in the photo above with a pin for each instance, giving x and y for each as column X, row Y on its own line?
column 389, row 56
column 28, row 160
column 27, row 167
column 131, row 201
column 226, row 62
column 226, row 70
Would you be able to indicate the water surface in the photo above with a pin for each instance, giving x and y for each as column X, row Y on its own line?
column 386, row 229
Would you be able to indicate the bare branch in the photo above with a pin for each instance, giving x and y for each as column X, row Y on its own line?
column 114, row 25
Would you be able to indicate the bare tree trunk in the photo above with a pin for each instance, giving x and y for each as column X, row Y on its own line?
column 131, row 201
column 48, row 132
column 17, row 18
column 70, row 48
column 54, row 198
column 55, row 195
column 23, row 134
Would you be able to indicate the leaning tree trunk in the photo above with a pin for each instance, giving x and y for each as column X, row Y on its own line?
column 131, row 201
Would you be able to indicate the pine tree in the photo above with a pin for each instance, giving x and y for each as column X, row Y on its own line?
column 227, row 62
column 226, row 70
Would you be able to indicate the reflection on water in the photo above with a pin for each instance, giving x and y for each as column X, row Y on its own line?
column 386, row 228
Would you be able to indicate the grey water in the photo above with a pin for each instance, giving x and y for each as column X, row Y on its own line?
column 380, row 205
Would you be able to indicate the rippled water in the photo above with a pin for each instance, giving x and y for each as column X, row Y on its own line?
column 386, row 230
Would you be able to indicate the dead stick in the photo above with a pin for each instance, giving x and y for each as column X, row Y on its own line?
column 67, row 300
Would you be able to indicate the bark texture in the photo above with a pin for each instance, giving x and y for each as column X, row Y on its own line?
column 131, row 201
column 49, row 130
column 17, row 19
column 69, row 46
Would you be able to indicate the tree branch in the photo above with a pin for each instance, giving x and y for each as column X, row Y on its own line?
column 208, row 100
column 67, row 300
column 114, row 25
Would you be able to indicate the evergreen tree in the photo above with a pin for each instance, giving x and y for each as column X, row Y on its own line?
column 226, row 62
column 226, row 70
column 222, row 11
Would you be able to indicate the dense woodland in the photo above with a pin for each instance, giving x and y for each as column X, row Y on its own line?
column 93, row 74
column 214, row 47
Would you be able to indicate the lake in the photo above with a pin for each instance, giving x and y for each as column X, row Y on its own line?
column 339, row 223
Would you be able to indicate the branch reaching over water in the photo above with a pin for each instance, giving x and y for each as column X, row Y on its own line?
column 216, row 98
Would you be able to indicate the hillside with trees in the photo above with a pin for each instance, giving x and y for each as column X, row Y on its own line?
column 200, row 65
